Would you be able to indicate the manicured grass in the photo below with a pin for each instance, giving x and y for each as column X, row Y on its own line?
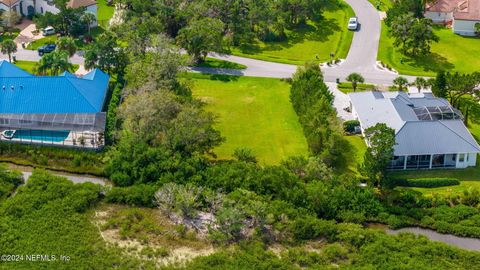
column 41, row 42
column 357, row 152
column 53, row 39
column 453, row 52
column 468, row 174
column 216, row 63
column 253, row 113
column 104, row 12
column 30, row 66
column 309, row 42
column 450, row 190
column 383, row 5
column 346, row 87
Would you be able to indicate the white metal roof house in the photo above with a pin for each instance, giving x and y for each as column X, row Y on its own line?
column 461, row 14
column 429, row 132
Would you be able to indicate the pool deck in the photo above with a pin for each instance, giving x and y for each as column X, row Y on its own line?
column 73, row 141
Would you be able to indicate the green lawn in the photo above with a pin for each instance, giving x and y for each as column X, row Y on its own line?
column 382, row 5
column 468, row 174
column 346, row 87
column 30, row 66
column 53, row 38
column 450, row 190
column 216, row 63
column 104, row 12
column 254, row 113
column 310, row 42
column 452, row 52
column 41, row 42
column 357, row 152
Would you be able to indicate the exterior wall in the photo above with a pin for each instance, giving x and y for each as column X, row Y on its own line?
column 44, row 6
column 456, row 161
column 470, row 159
column 15, row 7
column 439, row 17
column 93, row 9
column 464, row 28
column 3, row 7
column 25, row 6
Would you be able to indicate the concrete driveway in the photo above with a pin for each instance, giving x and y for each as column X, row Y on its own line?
column 364, row 48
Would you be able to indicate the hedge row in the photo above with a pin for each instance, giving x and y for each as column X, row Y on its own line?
column 427, row 182
column 113, row 103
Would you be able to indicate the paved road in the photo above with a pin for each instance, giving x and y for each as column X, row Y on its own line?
column 361, row 57
column 74, row 178
column 29, row 55
column 363, row 51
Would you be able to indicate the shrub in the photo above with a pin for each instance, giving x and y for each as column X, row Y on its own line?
column 349, row 126
column 310, row 228
column 427, row 182
column 113, row 103
column 138, row 195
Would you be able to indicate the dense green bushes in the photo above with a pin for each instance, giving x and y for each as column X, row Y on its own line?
column 112, row 108
column 349, row 126
column 427, row 182
column 70, row 160
column 354, row 248
column 137, row 195
column 50, row 215
column 9, row 181
column 312, row 101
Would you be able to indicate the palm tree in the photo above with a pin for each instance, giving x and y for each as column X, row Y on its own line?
column 66, row 44
column 355, row 78
column 420, row 83
column 88, row 18
column 401, row 83
column 8, row 46
column 54, row 63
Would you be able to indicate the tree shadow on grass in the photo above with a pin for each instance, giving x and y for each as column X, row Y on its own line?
column 432, row 62
column 312, row 31
column 223, row 78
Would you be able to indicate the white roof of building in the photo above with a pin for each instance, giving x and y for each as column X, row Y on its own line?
column 423, row 124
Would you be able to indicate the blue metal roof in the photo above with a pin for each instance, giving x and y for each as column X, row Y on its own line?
column 21, row 92
column 9, row 70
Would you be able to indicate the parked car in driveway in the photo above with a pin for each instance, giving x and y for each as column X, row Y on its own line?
column 46, row 49
column 353, row 23
column 48, row 31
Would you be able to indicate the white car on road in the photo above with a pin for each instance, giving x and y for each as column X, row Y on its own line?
column 353, row 23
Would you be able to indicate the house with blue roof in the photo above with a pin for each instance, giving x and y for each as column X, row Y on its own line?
column 58, row 110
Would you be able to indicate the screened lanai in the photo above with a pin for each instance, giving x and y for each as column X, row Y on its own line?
column 75, row 130
column 63, row 110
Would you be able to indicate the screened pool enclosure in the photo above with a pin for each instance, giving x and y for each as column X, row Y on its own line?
column 64, row 110
column 75, row 130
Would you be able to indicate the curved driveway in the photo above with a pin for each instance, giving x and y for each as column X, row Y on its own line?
column 364, row 48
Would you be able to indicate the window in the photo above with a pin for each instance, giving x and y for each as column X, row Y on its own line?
column 461, row 157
